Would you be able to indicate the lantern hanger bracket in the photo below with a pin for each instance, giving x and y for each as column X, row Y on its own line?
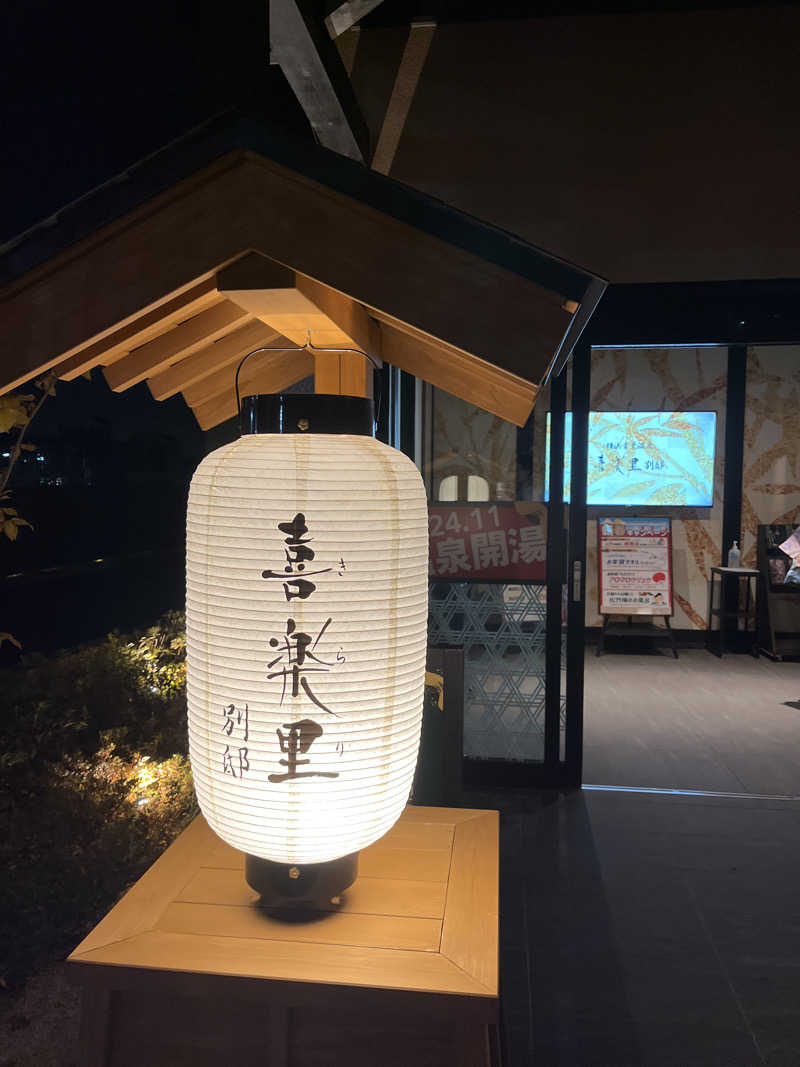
column 307, row 347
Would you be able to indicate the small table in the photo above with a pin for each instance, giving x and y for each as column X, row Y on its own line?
column 188, row 969
column 722, row 612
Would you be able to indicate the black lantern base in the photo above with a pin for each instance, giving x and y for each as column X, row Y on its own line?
column 301, row 885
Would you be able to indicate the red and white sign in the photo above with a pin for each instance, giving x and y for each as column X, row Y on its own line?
column 634, row 566
column 498, row 541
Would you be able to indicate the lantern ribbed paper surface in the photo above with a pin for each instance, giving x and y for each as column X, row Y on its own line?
column 306, row 613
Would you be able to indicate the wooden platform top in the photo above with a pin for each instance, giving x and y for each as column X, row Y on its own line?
column 422, row 918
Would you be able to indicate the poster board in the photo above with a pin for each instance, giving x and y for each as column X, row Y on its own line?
column 634, row 565
column 503, row 541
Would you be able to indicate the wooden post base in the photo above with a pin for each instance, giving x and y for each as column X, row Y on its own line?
column 189, row 969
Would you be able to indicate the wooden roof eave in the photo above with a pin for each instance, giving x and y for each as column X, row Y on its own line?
column 465, row 323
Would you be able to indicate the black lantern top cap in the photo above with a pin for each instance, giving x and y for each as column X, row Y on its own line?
column 306, row 413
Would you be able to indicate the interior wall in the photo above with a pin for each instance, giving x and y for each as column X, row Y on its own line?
column 469, row 441
column 694, row 379
column 771, row 470
column 664, row 379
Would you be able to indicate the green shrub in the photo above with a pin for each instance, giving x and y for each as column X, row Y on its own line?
column 94, row 784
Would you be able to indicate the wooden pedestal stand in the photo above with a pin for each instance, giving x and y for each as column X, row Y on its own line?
column 187, row 969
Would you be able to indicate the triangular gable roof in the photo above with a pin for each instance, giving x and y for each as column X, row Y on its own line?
column 234, row 237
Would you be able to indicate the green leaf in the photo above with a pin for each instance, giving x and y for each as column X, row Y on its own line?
column 10, row 529
column 10, row 638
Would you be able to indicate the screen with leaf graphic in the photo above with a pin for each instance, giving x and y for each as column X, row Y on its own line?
column 645, row 458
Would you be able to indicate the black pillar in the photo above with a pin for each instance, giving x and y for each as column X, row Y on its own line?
column 735, row 400
column 555, row 573
column 576, row 573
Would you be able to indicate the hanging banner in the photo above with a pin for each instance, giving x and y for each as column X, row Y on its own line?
column 488, row 541
column 634, row 566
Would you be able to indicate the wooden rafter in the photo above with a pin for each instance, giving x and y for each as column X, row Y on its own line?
column 222, row 380
column 266, row 374
column 196, row 368
column 141, row 329
column 177, row 344
column 456, row 371
column 343, row 313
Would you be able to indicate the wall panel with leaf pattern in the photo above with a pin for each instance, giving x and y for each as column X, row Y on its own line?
column 668, row 379
column 771, row 474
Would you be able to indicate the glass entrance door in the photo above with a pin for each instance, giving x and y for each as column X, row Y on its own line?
column 499, row 590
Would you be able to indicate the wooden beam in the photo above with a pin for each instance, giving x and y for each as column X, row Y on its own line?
column 314, row 69
column 355, row 375
column 177, row 344
column 270, row 374
column 342, row 374
column 294, row 304
column 342, row 311
column 327, row 374
column 415, row 53
column 229, row 349
column 347, row 14
column 254, row 271
column 458, row 372
column 139, row 330
column 292, row 314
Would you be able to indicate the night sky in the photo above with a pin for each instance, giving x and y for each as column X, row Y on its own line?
column 89, row 90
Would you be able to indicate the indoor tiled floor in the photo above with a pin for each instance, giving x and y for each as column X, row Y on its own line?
column 661, row 929
column 729, row 725
column 645, row 929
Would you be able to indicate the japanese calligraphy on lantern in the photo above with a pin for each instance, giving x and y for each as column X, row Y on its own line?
column 634, row 566
column 295, row 577
column 300, row 656
column 296, row 649
column 497, row 541
column 235, row 727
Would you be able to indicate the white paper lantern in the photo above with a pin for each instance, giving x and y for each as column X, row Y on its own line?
column 306, row 615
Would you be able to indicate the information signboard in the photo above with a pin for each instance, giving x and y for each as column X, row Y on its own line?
column 634, row 566
column 503, row 541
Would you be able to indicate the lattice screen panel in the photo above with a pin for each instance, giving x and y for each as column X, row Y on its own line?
column 502, row 630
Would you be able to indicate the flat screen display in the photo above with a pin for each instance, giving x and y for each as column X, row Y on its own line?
column 644, row 458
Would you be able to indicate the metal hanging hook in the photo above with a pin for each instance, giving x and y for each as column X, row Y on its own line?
column 307, row 347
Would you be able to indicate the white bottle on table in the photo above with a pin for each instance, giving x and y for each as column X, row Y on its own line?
column 734, row 556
